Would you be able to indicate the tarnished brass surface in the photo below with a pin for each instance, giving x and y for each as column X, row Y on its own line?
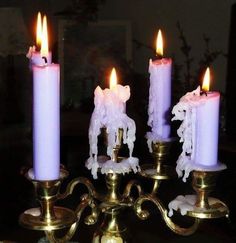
column 203, row 183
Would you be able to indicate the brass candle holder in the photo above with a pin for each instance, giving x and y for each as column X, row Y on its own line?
column 159, row 171
column 206, row 207
column 50, row 218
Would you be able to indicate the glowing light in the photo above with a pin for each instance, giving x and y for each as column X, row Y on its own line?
column 39, row 30
column 44, row 44
column 113, row 78
column 206, row 80
column 159, row 44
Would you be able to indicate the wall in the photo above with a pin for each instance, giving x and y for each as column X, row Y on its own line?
column 197, row 17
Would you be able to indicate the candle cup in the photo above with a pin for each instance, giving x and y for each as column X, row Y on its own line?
column 48, row 216
column 203, row 183
column 159, row 171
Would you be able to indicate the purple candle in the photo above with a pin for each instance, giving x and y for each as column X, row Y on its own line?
column 46, row 118
column 199, row 112
column 159, row 95
column 207, row 126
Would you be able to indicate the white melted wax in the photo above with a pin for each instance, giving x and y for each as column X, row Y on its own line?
column 109, row 112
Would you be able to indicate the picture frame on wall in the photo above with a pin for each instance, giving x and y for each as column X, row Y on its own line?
column 87, row 53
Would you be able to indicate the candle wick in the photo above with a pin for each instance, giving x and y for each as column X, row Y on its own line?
column 203, row 93
column 45, row 59
column 159, row 56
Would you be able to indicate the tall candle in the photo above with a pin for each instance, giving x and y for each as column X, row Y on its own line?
column 159, row 95
column 207, row 126
column 199, row 111
column 46, row 118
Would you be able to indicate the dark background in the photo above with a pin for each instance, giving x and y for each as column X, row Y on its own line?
column 16, row 107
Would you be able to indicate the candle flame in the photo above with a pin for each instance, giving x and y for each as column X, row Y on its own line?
column 39, row 30
column 113, row 78
column 44, row 44
column 159, row 44
column 206, row 80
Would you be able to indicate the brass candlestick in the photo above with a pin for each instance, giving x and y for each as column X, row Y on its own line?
column 110, row 206
column 206, row 207
column 159, row 171
column 48, row 216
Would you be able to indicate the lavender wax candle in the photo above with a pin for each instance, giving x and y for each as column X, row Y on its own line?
column 46, row 117
column 159, row 95
column 199, row 112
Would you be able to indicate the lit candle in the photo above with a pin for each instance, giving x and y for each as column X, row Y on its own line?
column 37, row 57
column 199, row 111
column 110, row 112
column 46, row 117
column 207, row 125
column 159, row 95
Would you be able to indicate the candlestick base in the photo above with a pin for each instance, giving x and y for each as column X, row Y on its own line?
column 31, row 219
column 206, row 207
column 217, row 209
column 112, row 228
column 166, row 172
column 47, row 217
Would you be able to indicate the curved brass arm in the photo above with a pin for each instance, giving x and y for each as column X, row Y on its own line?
column 128, row 188
column 144, row 214
column 91, row 219
column 88, row 198
column 53, row 239
column 80, row 180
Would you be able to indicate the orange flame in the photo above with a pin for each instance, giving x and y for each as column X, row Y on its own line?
column 39, row 30
column 113, row 78
column 44, row 44
column 159, row 44
column 206, row 80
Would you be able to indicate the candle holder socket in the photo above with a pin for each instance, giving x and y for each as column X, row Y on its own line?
column 159, row 171
column 206, row 207
column 119, row 142
column 48, row 216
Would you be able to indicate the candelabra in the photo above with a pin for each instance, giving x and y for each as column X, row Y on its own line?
column 50, row 218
